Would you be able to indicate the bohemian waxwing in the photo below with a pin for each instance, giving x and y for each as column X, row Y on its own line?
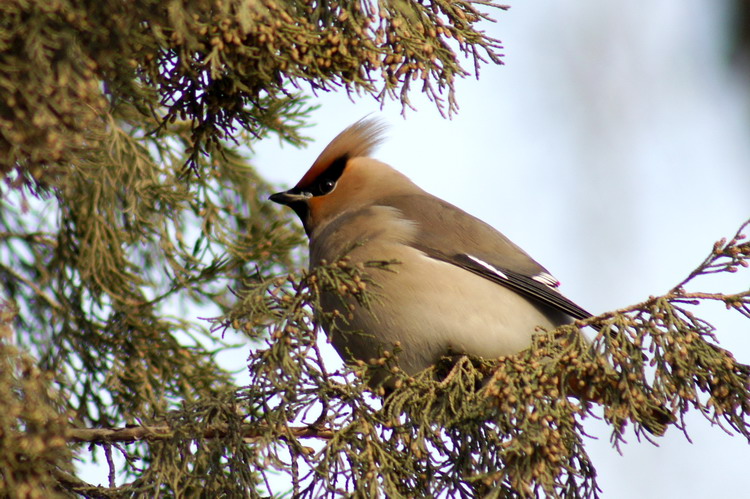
column 460, row 286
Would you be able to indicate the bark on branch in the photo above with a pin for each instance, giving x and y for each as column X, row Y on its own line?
column 164, row 432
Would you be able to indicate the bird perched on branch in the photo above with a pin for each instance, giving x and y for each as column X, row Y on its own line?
column 460, row 285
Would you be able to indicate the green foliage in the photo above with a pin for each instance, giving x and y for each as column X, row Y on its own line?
column 478, row 428
column 128, row 209
column 128, row 212
column 33, row 424
column 219, row 65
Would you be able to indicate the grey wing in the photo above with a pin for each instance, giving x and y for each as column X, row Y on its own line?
column 525, row 285
column 449, row 234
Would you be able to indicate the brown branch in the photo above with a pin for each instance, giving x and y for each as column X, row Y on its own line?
column 34, row 287
column 697, row 296
column 75, row 484
column 676, row 295
column 721, row 249
column 132, row 434
column 30, row 237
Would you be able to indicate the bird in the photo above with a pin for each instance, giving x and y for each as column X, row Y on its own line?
column 458, row 285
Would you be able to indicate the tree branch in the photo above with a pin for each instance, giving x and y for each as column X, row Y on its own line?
column 132, row 434
column 34, row 287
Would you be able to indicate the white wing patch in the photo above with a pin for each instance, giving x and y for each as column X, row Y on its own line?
column 489, row 267
column 547, row 280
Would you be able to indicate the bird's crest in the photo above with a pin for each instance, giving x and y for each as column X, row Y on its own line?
column 357, row 140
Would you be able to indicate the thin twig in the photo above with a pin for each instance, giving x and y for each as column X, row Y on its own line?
column 39, row 291
column 110, row 464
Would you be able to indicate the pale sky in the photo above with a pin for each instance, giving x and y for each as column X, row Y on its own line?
column 613, row 147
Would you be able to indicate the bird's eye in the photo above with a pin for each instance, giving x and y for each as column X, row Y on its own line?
column 327, row 186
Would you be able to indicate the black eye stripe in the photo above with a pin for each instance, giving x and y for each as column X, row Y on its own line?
column 326, row 181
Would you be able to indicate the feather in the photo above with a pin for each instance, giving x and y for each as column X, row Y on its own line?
column 360, row 139
column 449, row 234
column 525, row 285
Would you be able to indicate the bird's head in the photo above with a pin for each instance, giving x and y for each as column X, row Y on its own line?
column 344, row 178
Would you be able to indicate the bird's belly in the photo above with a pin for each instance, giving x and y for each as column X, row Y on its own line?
column 431, row 308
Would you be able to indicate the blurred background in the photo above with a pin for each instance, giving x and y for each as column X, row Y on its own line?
column 614, row 147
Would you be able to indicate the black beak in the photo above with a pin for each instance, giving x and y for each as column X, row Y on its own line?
column 285, row 198
column 297, row 202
